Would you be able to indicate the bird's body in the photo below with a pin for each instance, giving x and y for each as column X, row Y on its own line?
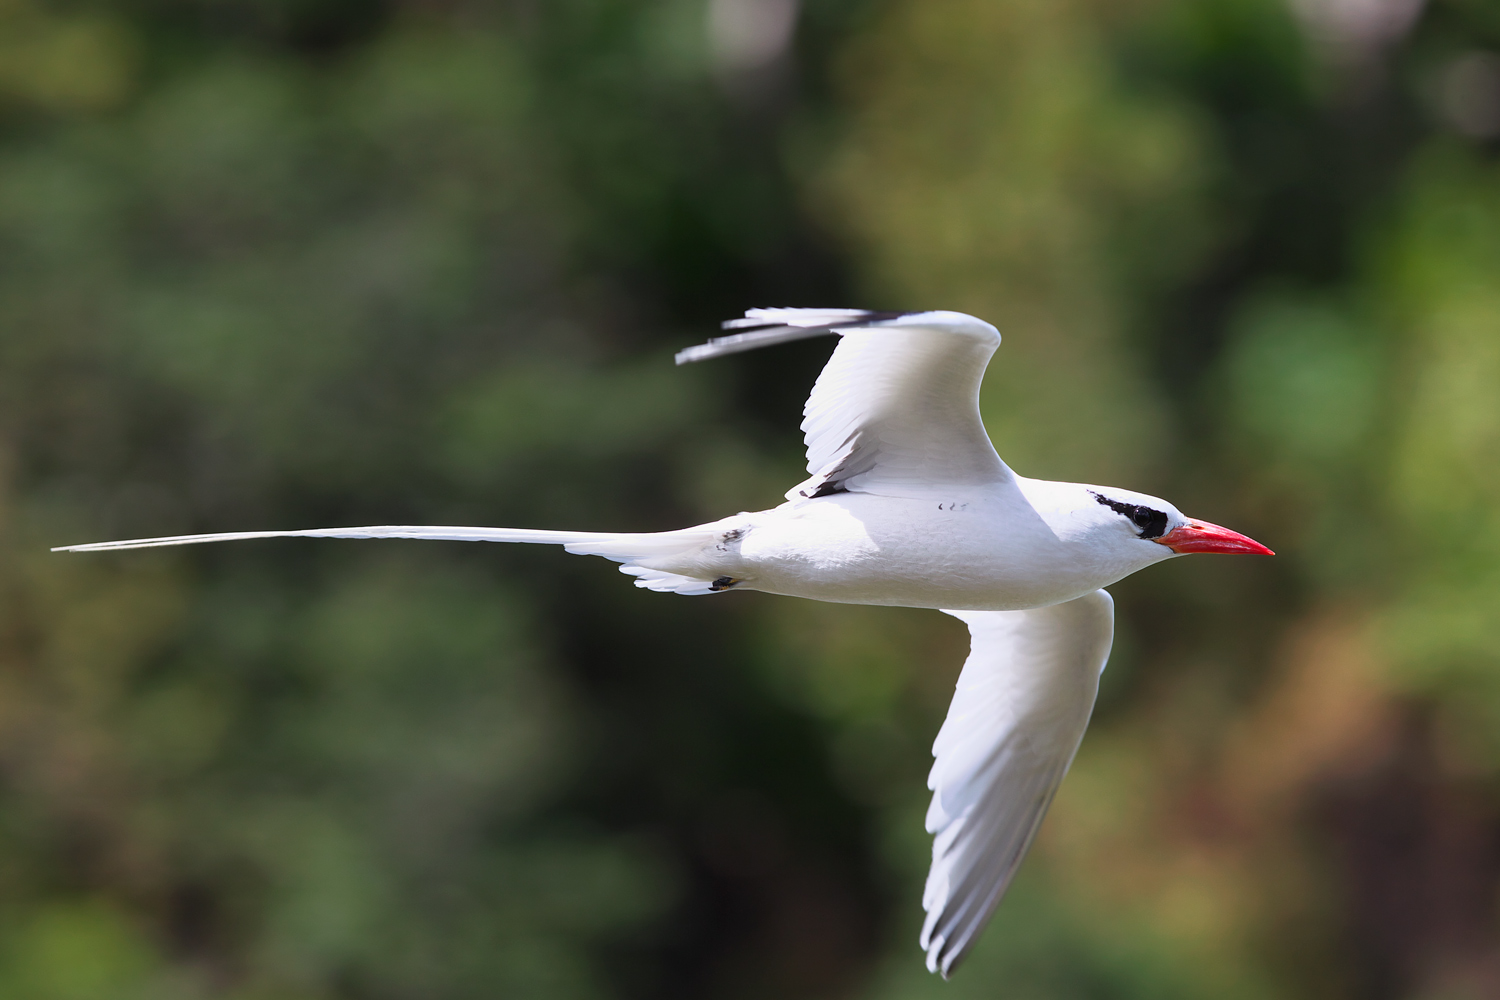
column 1006, row 547
column 907, row 504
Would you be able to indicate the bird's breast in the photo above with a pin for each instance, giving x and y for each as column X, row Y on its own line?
column 966, row 552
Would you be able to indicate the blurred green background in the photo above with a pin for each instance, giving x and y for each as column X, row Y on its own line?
column 292, row 263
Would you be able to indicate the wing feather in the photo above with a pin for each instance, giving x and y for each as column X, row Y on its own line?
column 1018, row 714
column 896, row 409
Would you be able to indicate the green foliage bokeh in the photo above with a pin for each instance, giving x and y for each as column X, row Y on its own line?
column 310, row 263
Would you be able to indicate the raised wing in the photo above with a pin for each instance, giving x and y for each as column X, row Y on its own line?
column 1018, row 715
column 896, row 409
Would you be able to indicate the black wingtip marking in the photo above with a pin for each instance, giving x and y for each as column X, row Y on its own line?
column 865, row 316
column 881, row 316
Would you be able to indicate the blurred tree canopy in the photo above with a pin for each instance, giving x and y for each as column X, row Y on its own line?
column 286, row 263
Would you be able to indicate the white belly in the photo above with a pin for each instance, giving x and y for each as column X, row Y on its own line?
column 855, row 548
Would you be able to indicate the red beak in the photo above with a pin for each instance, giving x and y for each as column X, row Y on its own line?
column 1200, row 536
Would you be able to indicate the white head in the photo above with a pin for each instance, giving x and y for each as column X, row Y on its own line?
column 1126, row 531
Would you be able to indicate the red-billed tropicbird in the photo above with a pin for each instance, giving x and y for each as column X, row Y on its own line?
column 908, row 504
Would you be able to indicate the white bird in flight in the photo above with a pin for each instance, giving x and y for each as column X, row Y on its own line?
column 907, row 504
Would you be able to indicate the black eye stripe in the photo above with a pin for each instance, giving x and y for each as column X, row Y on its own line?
column 1153, row 523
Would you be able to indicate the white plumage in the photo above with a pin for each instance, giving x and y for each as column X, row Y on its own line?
column 907, row 503
column 1018, row 715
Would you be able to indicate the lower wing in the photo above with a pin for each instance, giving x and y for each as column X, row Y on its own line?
column 1017, row 717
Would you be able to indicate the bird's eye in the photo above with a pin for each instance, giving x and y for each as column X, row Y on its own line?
column 1153, row 523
